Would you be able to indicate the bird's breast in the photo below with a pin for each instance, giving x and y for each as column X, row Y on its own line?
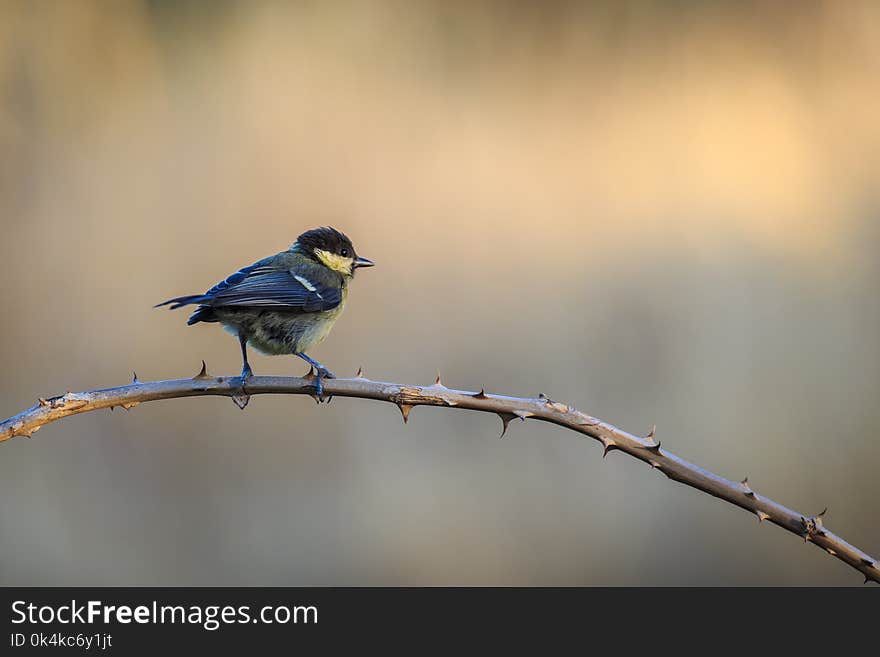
column 276, row 332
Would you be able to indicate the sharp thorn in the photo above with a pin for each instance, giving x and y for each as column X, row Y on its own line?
column 745, row 485
column 607, row 445
column 134, row 377
column 481, row 394
column 241, row 399
column 656, row 446
column 438, row 383
column 404, row 411
column 203, row 373
column 762, row 516
column 43, row 402
column 360, row 373
column 822, row 515
column 505, row 420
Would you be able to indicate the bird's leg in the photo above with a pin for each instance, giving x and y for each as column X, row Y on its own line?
column 246, row 371
column 321, row 372
column 241, row 398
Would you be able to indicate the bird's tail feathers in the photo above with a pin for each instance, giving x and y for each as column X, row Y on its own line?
column 202, row 314
column 179, row 302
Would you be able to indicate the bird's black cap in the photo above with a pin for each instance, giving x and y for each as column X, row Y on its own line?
column 326, row 239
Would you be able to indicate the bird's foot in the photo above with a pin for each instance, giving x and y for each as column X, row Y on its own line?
column 321, row 374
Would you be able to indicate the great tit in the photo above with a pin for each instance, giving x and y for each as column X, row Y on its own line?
column 286, row 303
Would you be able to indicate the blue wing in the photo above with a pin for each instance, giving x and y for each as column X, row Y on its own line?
column 236, row 278
column 262, row 285
column 281, row 290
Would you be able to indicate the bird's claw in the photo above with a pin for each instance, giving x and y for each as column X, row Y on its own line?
column 319, row 373
column 322, row 373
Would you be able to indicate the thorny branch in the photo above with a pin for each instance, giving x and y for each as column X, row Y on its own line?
column 647, row 449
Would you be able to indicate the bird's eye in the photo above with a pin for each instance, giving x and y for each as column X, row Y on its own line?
column 344, row 253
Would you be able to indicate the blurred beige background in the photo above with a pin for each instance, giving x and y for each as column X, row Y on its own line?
column 660, row 212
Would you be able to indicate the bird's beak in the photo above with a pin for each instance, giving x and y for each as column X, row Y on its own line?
column 363, row 262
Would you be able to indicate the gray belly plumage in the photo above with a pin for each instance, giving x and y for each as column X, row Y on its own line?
column 276, row 332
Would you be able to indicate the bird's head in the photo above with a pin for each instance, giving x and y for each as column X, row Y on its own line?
column 332, row 249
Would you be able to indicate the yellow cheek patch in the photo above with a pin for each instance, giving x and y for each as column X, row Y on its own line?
column 335, row 262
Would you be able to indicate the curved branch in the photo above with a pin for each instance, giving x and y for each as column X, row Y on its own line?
column 809, row 528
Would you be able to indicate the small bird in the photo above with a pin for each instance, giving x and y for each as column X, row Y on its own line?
column 286, row 303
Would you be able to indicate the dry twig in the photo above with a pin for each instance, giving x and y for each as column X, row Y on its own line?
column 647, row 449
